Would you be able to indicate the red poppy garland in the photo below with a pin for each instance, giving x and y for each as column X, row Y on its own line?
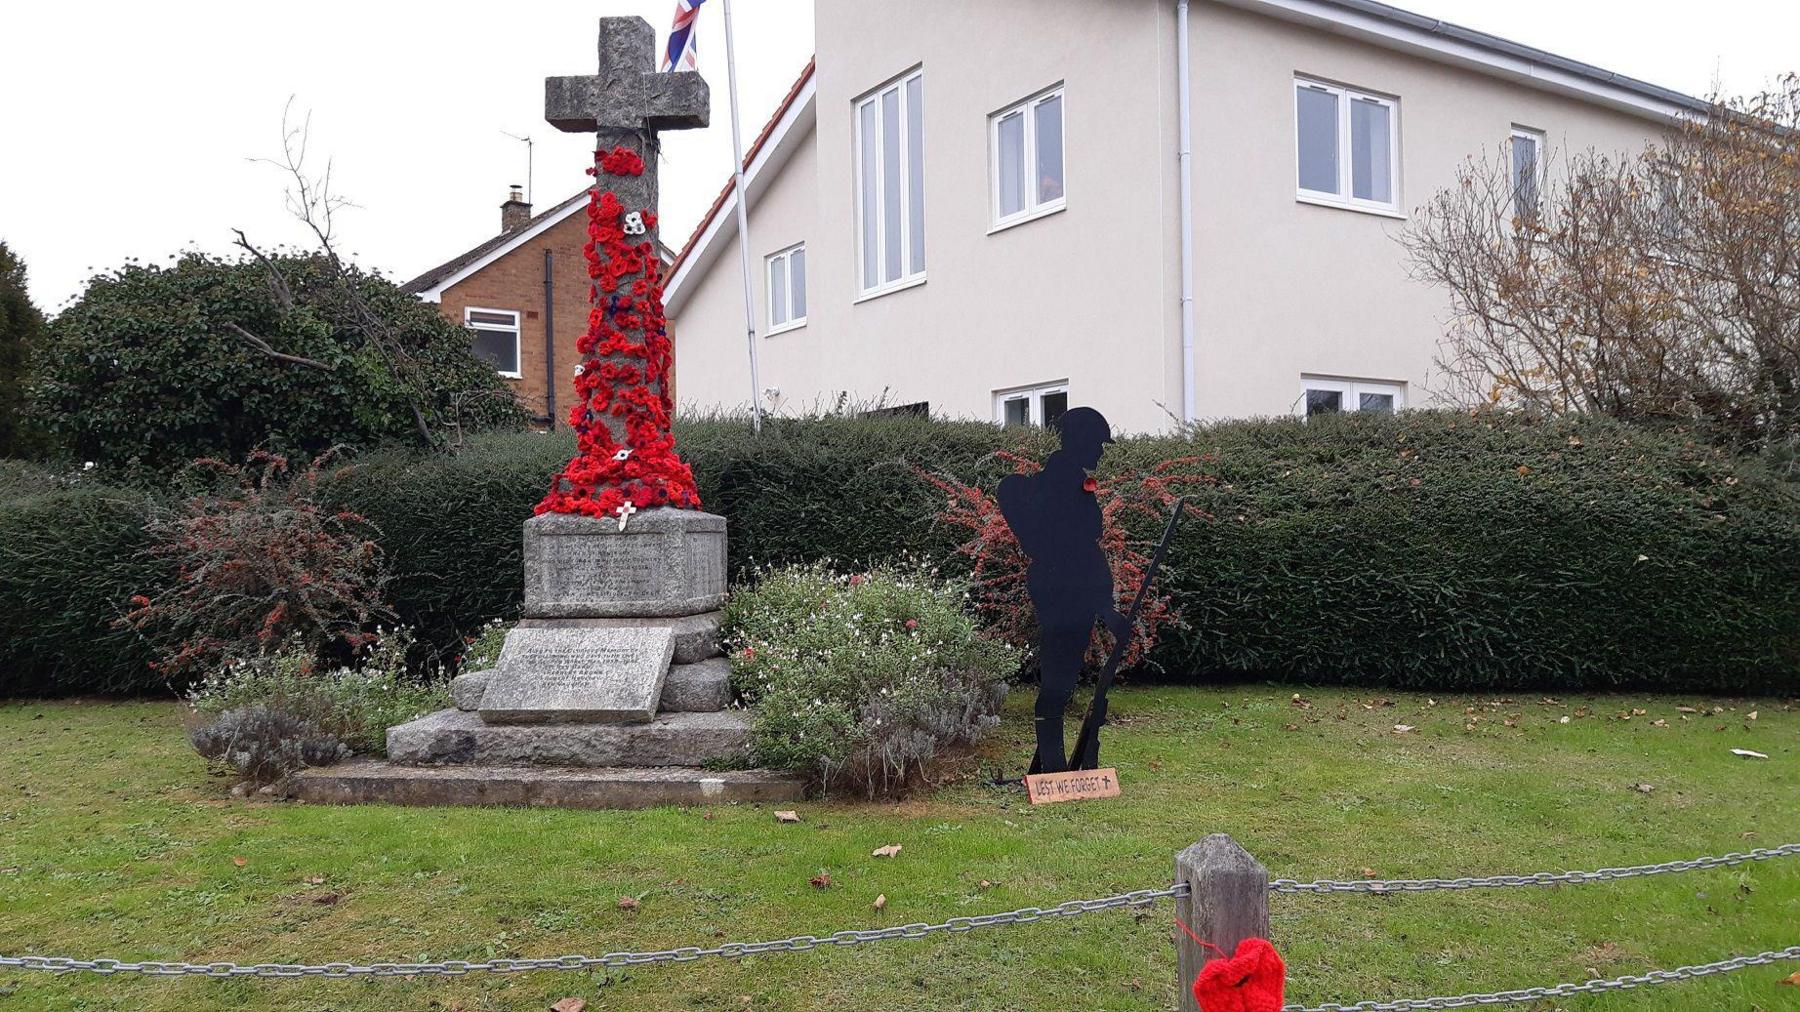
column 626, row 356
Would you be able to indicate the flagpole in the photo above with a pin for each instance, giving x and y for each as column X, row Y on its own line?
column 743, row 225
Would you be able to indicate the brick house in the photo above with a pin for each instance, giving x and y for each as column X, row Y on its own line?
column 523, row 294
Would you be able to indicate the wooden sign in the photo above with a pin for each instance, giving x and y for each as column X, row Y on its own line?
column 1075, row 785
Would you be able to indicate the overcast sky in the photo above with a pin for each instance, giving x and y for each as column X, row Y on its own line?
column 129, row 127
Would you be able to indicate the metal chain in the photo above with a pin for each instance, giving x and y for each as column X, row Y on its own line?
column 1024, row 915
column 612, row 960
column 1542, row 878
column 1558, row 991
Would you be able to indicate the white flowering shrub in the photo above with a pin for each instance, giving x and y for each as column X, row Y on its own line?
column 254, row 714
column 857, row 679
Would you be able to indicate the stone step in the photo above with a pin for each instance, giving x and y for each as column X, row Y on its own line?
column 458, row 737
column 365, row 781
column 696, row 636
column 697, row 688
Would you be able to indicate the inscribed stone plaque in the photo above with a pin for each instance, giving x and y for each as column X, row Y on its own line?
column 548, row 675
column 665, row 563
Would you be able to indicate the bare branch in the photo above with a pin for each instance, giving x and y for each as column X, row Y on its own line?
column 268, row 349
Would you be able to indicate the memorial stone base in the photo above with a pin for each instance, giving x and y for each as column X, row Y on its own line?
column 610, row 693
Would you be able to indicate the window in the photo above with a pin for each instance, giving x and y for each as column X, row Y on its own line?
column 890, row 187
column 1347, row 145
column 787, row 289
column 1527, row 158
column 1026, row 158
column 496, row 339
column 1325, row 395
column 1040, row 405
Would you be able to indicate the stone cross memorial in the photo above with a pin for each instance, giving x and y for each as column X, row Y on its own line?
column 611, row 691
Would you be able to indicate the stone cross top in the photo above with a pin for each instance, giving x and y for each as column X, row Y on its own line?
column 624, row 106
column 628, row 102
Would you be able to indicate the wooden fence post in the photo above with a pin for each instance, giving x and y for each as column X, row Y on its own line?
column 1228, row 902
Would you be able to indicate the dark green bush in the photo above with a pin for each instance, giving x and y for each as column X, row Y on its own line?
column 1436, row 550
column 1427, row 550
column 70, row 557
column 153, row 367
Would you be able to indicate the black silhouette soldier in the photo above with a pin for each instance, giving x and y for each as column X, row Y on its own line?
column 1057, row 522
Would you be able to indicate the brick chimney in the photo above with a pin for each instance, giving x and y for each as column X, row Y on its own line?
column 515, row 212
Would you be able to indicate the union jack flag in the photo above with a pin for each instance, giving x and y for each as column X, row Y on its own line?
column 682, row 50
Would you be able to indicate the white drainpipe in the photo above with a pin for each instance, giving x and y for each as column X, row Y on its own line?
column 1185, row 115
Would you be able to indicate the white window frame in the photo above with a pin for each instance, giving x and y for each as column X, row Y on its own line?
column 1032, row 395
column 792, row 322
column 1352, row 391
column 1343, row 198
column 518, row 347
column 1033, row 208
column 1536, row 137
column 907, row 278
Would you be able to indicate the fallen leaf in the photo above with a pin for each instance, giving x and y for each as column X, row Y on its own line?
column 888, row 851
column 240, row 862
column 1659, row 722
column 1403, row 728
column 787, row 816
column 1564, row 720
column 326, row 899
column 985, row 884
column 1300, row 702
column 1748, row 754
column 1686, row 709
column 881, row 902
column 1751, row 714
column 628, row 903
column 1368, row 873
column 821, row 881
column 1290, row 727
column 1791, row 980
column 313, row 880
column 1643, row 788
column 569, row 1005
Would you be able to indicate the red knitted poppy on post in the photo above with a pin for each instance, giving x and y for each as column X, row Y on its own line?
column 625, row 451
column 1251, row 980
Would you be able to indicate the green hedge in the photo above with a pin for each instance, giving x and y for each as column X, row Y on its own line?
column 1425, row 550
column 69, row 559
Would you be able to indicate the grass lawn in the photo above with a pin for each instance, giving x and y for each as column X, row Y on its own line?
column 115, row 842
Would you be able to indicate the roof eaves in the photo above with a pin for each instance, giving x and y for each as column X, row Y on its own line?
column 756, row 146
column 1649, row 97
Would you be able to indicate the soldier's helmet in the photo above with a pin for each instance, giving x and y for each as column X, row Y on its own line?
column 1083, row 428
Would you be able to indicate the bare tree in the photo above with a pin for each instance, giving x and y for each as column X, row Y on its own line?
column 313, row 202
column 1661, row 286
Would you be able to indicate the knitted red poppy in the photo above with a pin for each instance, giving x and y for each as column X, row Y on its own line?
column 624, row 370
column 1249, row 981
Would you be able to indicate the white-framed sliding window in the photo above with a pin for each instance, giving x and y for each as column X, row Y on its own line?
column 1042, row 404
column 889, row 128
column 1329, row 395
column 1346, row 147
column 1525, row 157
column 1025, row 159
column 495, row 337
column 787, row 289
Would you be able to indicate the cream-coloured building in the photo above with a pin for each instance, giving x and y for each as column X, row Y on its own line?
column 979, row 207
